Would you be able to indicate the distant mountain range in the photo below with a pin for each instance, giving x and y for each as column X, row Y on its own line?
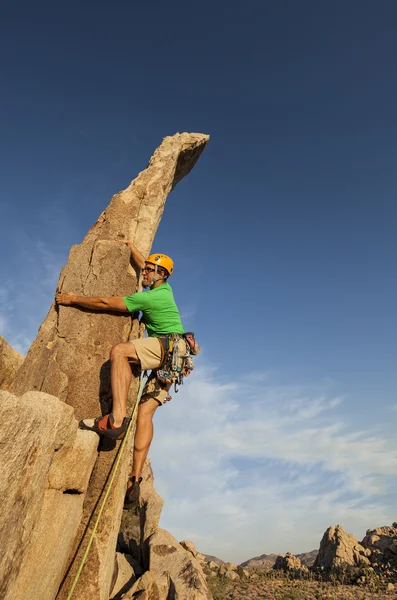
column 266, row 561
column 215, row 559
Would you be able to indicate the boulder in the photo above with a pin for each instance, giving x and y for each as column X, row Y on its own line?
column 212, row 574
column 382, row 544
column 232, row 575
column 340, row 548
column 288, row 562
column 186, row 576
column 127, row 571
column 229, row 566
column 215, row 559
column 381, row 538
column 190, row 547
column 149, row 587
column 45, row 468
column 200, row 557
column 213, row 566
column 10, row 361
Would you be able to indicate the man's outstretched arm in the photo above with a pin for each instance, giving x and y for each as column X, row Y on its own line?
column 92, row 303
column 137, row 257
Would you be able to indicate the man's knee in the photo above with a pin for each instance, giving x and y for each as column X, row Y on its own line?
column 124, row 350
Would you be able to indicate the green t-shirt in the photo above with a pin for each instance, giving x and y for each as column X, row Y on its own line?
column 159, row 311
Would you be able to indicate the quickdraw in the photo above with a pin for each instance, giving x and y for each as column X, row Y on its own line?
column 176, row 365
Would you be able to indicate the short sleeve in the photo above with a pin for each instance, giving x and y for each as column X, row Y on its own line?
column 138, row 301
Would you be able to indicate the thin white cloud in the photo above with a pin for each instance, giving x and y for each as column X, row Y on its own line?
column 254, row 468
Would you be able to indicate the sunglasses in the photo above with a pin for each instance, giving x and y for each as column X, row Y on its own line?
column 147, row 270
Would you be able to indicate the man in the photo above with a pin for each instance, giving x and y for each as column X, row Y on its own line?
column 161, row 317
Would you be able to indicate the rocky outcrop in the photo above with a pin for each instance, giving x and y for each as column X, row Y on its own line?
column 340, row 548
column 10, row 361
column 186, row 576
column 382, row 539
column 46, row 462
column 150, row 587
column 382, row 544
column 288, row 562
column 69, row 359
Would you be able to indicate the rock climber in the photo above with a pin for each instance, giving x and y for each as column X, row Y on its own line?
column 161, row 318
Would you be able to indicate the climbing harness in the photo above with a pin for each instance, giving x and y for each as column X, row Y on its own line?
column 176, row 365
column 115, row 468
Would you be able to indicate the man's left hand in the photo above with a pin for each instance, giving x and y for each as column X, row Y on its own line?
column 66, row 298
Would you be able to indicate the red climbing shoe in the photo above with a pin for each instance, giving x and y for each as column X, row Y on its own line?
column 105, row 426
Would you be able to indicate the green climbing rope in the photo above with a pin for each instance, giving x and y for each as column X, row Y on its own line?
column 116, row 465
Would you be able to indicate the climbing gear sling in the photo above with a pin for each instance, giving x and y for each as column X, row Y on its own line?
column 176, row 365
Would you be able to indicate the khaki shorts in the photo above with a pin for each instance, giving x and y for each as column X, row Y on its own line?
column 150, row 353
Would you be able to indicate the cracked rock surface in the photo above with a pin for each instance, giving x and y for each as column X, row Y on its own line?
column 46, row 462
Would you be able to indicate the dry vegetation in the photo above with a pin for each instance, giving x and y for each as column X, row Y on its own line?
column 276, row 586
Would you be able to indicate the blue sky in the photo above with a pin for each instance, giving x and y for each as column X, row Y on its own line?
column 283, row 237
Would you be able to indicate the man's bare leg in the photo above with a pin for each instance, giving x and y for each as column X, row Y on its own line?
column 120, row 375
column 143, row 435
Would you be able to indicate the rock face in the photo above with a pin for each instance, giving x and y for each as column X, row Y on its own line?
column 45, row 467
column 69, row 358
column 10, row 361
column 339, row 547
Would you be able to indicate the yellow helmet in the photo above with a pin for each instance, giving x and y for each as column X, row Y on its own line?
column 162, row 260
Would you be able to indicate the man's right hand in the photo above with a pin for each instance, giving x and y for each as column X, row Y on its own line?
column 66, row 298
column 137, row 257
